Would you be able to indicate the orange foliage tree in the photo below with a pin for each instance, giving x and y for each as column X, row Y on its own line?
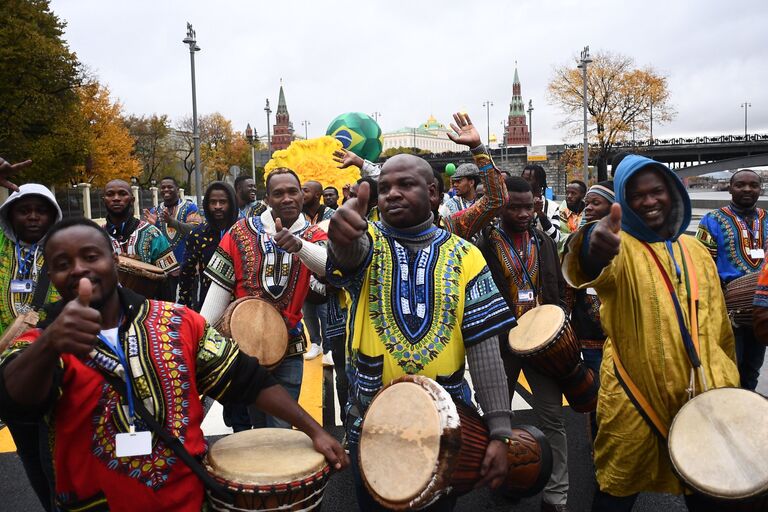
column 620, row 99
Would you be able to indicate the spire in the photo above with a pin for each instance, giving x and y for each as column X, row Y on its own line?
column 516, row 107
column 517, row 78
column 282, row 107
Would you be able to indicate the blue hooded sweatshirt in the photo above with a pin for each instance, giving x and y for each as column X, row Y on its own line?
column 680, row 214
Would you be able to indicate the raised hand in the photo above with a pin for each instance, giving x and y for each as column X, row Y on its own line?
column 345, row 191
column 466, row 133
column 349, row 222
column 76, row 328
column 8, row 169
column 150, row 217
column 284, row 239
column 604, row 241
column 346, row 158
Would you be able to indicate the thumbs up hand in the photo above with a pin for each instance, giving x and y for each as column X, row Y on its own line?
column 349, row 222
column 286, row 240
column 604, row 241
column 76, row 328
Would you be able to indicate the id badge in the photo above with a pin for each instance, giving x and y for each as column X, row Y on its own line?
column 591, row 291
column 133, row 444
column 525, row 295
column 22, row 285
column 757, row 254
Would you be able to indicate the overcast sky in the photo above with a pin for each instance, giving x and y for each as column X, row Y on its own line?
column 410, row 59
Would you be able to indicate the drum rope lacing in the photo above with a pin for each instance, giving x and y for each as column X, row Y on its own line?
column 289, row 506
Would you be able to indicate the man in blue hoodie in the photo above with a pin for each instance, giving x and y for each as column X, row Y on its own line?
column 647, row 274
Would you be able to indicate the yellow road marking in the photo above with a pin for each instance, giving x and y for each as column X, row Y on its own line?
column 6, row 441
column 311, row 396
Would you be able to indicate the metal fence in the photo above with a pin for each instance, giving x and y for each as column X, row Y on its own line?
column 70, row 201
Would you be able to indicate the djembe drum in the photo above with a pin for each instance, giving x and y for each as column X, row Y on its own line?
column 143, row 278
column 544, row 337
column 257, row 328
column 268, row 469
column 739, row 295
column 418, row 445
column 718, row 445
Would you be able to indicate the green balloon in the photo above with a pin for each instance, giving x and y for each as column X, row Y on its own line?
column 450, row 169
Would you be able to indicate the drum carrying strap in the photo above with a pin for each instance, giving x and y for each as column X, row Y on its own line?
column 690, row 341
column 219, row 490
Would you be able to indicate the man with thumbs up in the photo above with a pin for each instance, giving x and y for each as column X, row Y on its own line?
column 421, row 299
column 664, row 314
column 270, row 256
column 64, row 376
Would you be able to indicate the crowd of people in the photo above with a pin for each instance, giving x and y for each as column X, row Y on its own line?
column 395, row 277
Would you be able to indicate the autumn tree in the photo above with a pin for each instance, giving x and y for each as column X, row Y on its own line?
column 39, row 77
column 152, row 145
column 620, row 98
column 109, row 145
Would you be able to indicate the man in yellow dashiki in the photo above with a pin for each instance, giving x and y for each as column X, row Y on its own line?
column 420, row 299
column 646, row 271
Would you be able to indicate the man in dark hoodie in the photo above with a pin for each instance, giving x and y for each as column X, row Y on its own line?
column 644, row 269
column 220, row 213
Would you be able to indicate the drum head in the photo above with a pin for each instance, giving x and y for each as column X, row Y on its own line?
column 132, row 266
column 536, row 328
column 718, row 443
column 400, row 442
column 259, row 330
column 264, row 456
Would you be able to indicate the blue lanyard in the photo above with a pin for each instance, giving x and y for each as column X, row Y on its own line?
column 26, row 263
column 118, row 351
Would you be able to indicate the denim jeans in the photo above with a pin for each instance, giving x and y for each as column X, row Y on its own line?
column 289, row 374
column 316, row 320
column 342, row 382
column 750, row 354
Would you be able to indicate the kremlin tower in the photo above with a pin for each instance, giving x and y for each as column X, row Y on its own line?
column 282, row 134
column 517, row 127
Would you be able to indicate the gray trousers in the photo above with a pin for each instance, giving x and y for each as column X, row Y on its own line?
column 548, row 406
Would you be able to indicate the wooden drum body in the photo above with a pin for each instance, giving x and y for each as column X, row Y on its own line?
column 544, row 337
column 417, row 445
column 739, row 295
column 143, row 278
column 718, row 445
column 268, row 469
column 258, row 329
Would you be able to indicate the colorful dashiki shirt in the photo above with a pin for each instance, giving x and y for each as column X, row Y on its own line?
column 519, row 257
column 761, row 293
column 253, row 209
column 174, row 357
column 585, row 319
column 143, row 240
column 14, row 304
column 249, row 263
column 731, row 240
column 185, row 212
column 201, row 245
column 414, row 313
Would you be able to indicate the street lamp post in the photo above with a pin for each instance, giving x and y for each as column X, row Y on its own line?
column 488, row 104
column 530, row 120
column 376, row 116
column 305, row 124
column 269, row 137
column 190, row 40
column 745, row 106
column 651, row 104
column 250, row 136
column 585, row 60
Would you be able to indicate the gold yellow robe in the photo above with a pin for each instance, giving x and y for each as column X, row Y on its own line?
column 638, row 315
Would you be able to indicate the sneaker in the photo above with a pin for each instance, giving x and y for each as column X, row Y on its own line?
column 313, row 352
column 327, row 359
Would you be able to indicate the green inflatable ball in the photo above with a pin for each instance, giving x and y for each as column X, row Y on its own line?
column 450, row 169
column 358, row 133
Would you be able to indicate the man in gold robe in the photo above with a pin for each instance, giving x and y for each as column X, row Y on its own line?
column 647, row 274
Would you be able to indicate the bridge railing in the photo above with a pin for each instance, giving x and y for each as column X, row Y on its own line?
column 684, row 141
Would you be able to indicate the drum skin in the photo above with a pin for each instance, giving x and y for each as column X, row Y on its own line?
column 418, row 445
column 718, row 446
column 545, row 339
column 257, row 328
column 739, row 295
column 267, row 469
column 143, row 278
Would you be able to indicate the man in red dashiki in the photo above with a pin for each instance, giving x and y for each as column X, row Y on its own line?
column 271, row 257
column 166, row 354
